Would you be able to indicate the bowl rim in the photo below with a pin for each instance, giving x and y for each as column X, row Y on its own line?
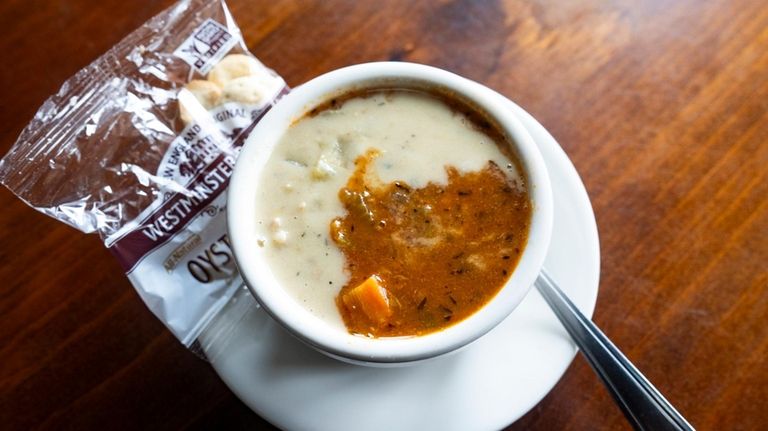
column 306, row 326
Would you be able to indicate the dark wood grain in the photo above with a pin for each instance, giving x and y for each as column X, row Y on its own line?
column 661, row 106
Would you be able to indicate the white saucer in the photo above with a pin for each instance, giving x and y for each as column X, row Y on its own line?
column 486, row 386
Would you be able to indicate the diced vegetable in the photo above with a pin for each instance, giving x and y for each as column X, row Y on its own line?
column 370, row 298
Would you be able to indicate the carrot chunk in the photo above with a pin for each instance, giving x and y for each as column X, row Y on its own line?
column 371, row 298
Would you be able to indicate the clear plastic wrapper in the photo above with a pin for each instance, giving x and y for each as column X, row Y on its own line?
column 139, row 145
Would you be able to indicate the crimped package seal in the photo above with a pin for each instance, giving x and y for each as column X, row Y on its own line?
column 139, row 146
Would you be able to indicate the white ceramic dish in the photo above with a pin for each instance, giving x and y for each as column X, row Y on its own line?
column 487, row 386
column 294, row 316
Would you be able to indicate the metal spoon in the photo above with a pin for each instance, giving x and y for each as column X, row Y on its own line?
column 642, row 404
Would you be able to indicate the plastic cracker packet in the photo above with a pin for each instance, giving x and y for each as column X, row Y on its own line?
column 139, row 147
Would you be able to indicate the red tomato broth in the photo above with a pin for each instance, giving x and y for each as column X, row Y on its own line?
column 440, row 252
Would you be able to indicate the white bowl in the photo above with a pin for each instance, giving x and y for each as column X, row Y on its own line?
column 300, row 322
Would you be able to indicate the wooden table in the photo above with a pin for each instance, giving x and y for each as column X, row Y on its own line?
column 662, row 106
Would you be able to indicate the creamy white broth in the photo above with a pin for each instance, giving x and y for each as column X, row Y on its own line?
column 417, row 135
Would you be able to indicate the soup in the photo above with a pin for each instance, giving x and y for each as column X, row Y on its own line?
column 393, row 212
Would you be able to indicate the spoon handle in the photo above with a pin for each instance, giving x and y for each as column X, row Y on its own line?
column 642, row 404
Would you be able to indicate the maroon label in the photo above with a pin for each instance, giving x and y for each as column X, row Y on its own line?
column 178, row 210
